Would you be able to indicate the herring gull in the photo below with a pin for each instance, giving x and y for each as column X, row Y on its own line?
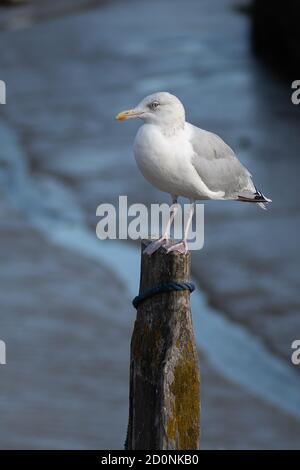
column 184, row 160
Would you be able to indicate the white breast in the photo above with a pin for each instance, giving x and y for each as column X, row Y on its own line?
column 166, row 161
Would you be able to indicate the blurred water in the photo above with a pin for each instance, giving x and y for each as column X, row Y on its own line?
column 235, row 353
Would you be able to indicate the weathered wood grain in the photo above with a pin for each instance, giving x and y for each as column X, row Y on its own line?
column 164, row 408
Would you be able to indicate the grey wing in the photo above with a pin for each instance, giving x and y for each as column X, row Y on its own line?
column 217, row 165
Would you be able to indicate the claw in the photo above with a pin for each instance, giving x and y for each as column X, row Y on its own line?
column 154, row 246
column 181, row 247
column 167, row 245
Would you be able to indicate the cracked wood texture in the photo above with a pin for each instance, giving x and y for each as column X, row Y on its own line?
column 164, row 401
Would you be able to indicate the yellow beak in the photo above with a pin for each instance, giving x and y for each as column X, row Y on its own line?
column 131, row 113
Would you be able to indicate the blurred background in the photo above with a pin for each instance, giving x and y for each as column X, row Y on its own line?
column 66, row 315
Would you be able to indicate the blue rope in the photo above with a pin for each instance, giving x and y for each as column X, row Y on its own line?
column 161, row 288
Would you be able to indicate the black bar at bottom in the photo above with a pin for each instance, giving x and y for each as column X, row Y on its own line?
column 133, row 459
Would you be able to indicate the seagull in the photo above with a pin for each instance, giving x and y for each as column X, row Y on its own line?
column 183, row 160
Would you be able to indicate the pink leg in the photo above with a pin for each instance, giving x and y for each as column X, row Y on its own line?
column 182, row 246
column 164, row 239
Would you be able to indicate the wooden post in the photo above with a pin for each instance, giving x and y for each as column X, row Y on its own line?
column 164, row 403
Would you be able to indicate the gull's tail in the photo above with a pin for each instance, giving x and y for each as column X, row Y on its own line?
column 256, row 197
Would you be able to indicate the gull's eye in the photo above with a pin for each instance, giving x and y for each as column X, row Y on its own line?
column 154, row 105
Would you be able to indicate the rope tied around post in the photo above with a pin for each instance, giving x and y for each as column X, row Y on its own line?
column 162, row 288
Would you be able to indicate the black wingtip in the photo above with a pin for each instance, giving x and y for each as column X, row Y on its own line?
column 257, row 197
column 260, row 197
